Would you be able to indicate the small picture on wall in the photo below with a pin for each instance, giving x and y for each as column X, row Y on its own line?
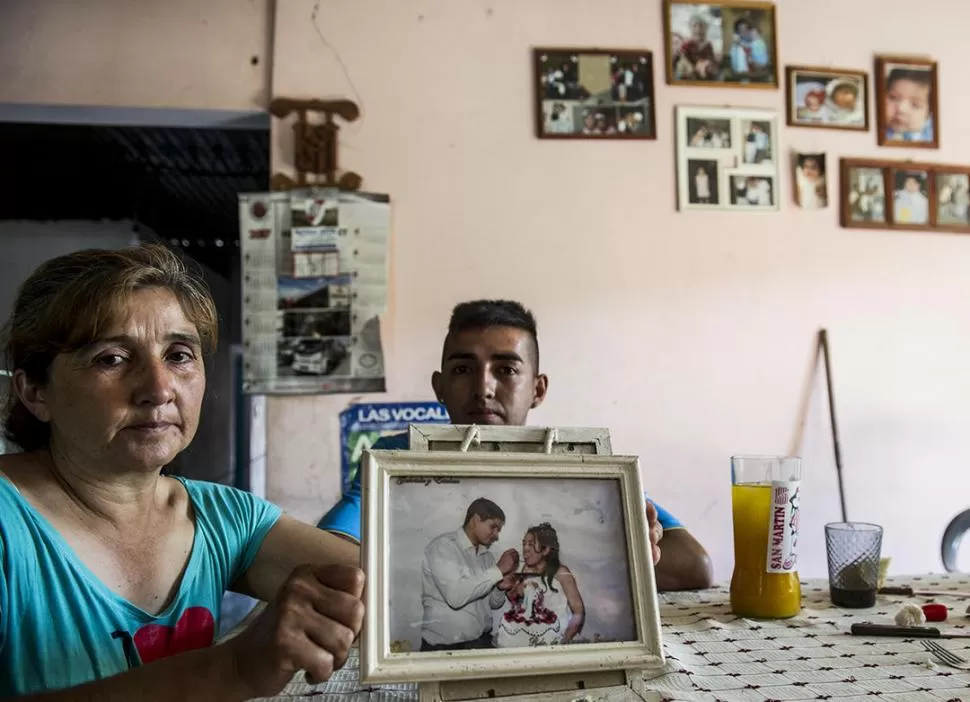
column 866, row 194
column 907, row 103
column 827, row 98
column 757, row 141
column 953, row 199
column 911, row 201
column 727, row 159
column 594, row 94
column 720, row 44
column 709, row 133
column 752, row 191
column 811, row 188
column 703, row 182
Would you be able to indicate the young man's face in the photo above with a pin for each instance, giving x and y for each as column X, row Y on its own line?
column 485, row 532
column 907, row 105
column 489, row 376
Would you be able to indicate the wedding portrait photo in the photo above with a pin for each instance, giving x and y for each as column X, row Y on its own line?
column 479, row 563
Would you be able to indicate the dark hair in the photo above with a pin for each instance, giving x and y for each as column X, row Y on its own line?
column 69, row 301
column 545, row 537
column 819, row 160
column 741, row 21
column 924, row 78
column 482, row 314
column 484, row 509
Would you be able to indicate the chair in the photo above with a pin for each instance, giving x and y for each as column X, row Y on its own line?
column 952, row 537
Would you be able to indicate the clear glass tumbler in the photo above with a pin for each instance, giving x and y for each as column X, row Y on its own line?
column 853, row 550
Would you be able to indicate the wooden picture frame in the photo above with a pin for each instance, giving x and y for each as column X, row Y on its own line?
column 728, row 159
column 915, row 83
column 587, row 93
column 826, row 98
column 695, row 55
column 510, row 439
column 411, row 496
column 904, row 195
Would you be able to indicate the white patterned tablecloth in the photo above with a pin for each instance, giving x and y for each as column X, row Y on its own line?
column 713, row 656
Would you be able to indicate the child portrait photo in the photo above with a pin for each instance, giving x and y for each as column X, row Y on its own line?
column 703, row 182
column 953, row 199
column 911, row 202
column 725, row 43
column 864, row 200
column 827, row 98
column 811, row 190
column 594, row 94
column 907, row 103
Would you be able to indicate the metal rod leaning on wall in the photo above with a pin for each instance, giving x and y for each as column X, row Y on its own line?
column 823, row 341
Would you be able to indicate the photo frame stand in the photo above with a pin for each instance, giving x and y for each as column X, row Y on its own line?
column 609, row 686
column 602, row 686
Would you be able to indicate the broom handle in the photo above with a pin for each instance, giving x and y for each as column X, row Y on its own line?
column 823, row 340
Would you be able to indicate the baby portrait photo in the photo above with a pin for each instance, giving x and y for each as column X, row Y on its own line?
column 594, row 94
column 720, row 43
column 953, row 199
column 907, row 103
column 911, row 202
column 811, row 190
column 824, row 98
column 480, row 563
column 865, row 198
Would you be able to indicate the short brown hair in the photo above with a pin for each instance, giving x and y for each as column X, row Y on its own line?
column 484, row 509
column 68, row 302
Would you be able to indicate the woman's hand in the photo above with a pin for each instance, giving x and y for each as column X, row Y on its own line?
column 310, row 626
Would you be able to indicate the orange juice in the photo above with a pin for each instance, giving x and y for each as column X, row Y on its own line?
column 765, row 584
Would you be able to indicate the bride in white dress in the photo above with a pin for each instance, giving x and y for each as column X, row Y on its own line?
column 543, row 605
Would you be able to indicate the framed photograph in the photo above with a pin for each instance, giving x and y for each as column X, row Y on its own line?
column 569, row 440
column 953, row 199
column 905, row 195
column 827, row 98
column 811, row 186
column 727, row 158
column 907, row 103
column 594, row 94
column 497, row 565
column 720, row 44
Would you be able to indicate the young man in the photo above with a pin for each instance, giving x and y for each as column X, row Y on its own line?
column 490, row 375
column 462, row 582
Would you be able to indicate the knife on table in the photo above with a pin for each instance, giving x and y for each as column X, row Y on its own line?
column 912, row 632
column 910, row 592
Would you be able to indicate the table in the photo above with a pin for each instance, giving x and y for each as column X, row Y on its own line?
column 713, row 656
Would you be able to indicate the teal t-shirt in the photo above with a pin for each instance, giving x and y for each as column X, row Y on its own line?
column 60, row 626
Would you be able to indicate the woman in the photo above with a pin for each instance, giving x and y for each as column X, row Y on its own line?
column 544, row 605
column 111, row 574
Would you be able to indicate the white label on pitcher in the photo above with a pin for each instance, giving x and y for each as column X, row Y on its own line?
column 783, row 527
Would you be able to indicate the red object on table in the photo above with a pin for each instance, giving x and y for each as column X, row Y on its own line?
column 935, row 612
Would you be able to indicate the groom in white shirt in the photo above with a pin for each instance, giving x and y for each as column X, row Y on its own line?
column 462, row 583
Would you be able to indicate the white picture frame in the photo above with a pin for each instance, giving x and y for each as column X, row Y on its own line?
column 511, row 439
column 728, row 159
column 384, row 473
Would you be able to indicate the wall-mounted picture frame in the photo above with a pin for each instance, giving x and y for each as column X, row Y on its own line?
column 721, row 44
column 907, row 102
column 594, row 93
column 582, row 596
column 727, row 159
column 878, row 194
column 811, row 182
column 827, row 98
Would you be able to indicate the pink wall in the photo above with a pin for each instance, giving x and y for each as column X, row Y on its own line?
column 690, row 335
column 178, row 53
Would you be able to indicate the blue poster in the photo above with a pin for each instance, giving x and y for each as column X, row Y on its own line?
column 362, row 425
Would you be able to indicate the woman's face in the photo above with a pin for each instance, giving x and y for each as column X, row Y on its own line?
column 810, row 169
column 532, row 553
column 131, row 400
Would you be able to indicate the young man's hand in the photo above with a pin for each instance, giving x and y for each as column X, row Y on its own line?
column 655, row 531
column 508, row 561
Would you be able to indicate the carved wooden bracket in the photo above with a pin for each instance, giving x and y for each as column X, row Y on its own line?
column 315, row 143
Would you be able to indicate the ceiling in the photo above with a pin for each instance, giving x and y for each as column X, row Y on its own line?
column 180, row 182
